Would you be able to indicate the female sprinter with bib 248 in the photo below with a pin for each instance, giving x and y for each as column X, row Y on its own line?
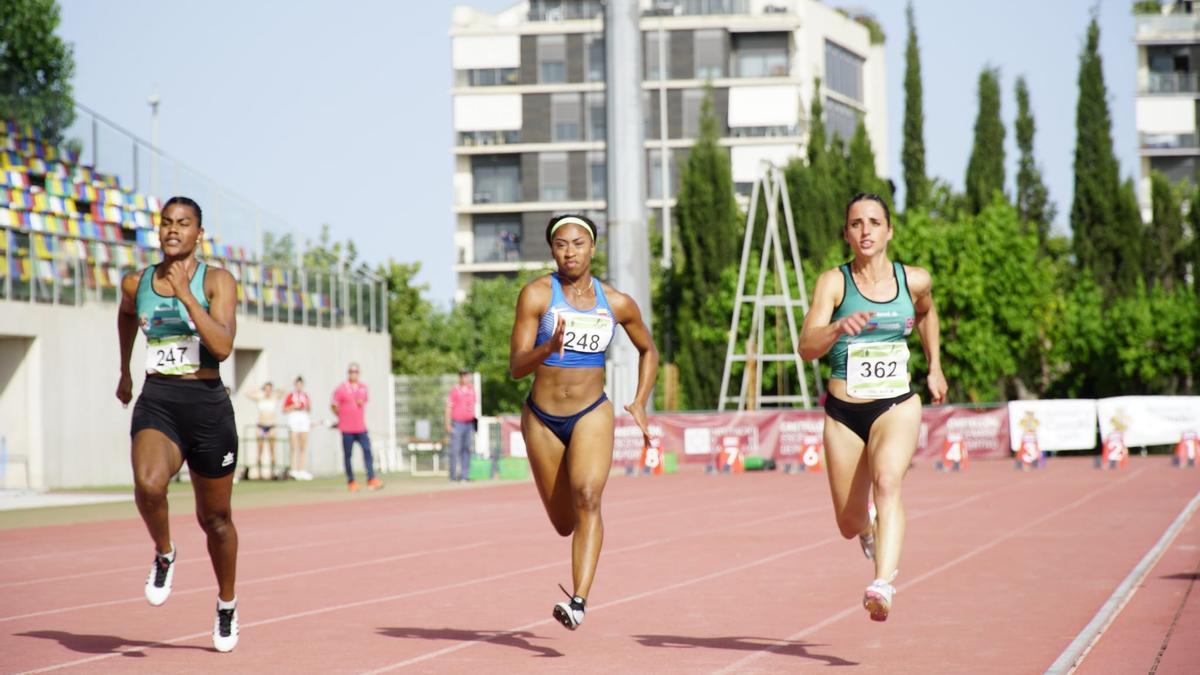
column 564, row 323
column 186, row 310
column 861, row 315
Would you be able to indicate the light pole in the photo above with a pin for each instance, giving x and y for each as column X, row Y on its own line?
column 154, row 100
column 663, row 152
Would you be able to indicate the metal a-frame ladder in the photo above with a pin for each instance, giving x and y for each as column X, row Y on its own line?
column 772, row 186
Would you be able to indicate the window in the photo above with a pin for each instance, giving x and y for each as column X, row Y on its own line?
column 593, row 48
column 651, row 55
column 597, row 115
column 760, row 54
column 597, row 176
column 487, row 77
column 498, row 238
column 693, row 99
column 709, row 54
column 552, row 176
column 649, row 114
column 1176, row 169
column 552, row 58
column 497, row 179
column 843, row 71
column 840, row 119
column 564, row 117
column 654, row 159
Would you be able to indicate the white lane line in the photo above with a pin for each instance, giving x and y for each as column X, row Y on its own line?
column 662, row 589
column 857, row 608
column 1077, row 651
column 419, row 592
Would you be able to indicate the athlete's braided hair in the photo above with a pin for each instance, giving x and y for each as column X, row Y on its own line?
column 868, row 197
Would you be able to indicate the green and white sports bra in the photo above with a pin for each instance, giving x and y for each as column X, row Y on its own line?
column 874, row 363
column 173, row 344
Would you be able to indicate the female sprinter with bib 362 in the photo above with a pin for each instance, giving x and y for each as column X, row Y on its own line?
column 564, row 323
column 861, row 316
column 186, row 310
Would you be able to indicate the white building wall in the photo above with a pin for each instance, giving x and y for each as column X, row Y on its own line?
column 58, row 402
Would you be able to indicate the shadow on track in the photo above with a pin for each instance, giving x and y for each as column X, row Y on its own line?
column 745, row 644
column 516, row 639
column 103, row 644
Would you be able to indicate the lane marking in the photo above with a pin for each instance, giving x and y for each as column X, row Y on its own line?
column 1073, row 656
column 857, row 608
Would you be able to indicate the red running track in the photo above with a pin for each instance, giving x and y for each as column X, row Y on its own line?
column 747, row 573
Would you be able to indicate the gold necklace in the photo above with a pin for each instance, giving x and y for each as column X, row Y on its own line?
column 578, row 293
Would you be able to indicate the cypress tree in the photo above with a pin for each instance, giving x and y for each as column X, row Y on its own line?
column 1033, row 199
column 916, row 183
column 985, row 171
column 1164, row 255
column 814, row 188
column 860, row 162
column 1098, row 206
column 707, row 220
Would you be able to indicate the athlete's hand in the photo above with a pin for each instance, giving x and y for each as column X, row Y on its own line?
column 125, row 389
column 639, row 417
column 937, row 387
column 177, row 277
column 855, row 323
column 556, row 340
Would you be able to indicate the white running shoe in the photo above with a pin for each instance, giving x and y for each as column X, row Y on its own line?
column 867, row 539
column 225, row 630
column 162, row 575
column 570, row 613
column 878, row 599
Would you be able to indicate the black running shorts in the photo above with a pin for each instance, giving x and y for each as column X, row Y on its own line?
column 197, row 416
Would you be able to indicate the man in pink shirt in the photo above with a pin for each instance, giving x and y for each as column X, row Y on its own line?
column 349, row 400
column 460, row 422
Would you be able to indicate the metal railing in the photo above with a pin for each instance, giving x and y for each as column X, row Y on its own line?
column 52, row 268
column 1167, row 141
column 1169, row 83
column 1160, row 27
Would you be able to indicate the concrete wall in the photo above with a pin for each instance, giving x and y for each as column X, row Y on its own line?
column 59, row 368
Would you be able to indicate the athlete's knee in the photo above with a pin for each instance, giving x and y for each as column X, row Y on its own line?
column 587, row 498
column 149, row 486
column 886, row 485
column 217, row 523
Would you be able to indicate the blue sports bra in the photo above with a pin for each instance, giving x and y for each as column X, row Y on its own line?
column 587, row 333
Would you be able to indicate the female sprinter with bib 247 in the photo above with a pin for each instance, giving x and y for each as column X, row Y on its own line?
column 861, row 315
column 564, row 323
column 186, row 310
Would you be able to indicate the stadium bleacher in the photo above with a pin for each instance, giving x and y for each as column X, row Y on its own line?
column 68, row 233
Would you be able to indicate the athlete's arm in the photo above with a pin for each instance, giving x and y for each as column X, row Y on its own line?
column 819, row 334
column 629, row 315
column 920, row 285
column 127, row 325
column 218, row 325
column 523, row 356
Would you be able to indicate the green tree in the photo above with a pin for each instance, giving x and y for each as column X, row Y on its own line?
column 278, row 251
column 860, row 163
column 814, row 188
column 1033, row 199
column 478, row 332
column 916, row 183
column 36, row 67
column 707, row 220
column 985, row 171
column 417, row 328
column 1166, row 262
column 1102, row 232
column 326, row 254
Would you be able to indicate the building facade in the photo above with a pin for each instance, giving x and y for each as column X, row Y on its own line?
column 529, row 106
column 1168, row 95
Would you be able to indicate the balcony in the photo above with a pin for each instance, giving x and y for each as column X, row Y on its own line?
column 1174, row 144
column 1169, row 83
column 1169, row 28
column 476, row 138
column 699, row 7
column 565, row 10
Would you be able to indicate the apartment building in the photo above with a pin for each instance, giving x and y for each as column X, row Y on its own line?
column 529, row 106
column 1168, row 94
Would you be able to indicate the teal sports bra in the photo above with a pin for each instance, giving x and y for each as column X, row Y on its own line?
column 893, row 320
column 165, row 321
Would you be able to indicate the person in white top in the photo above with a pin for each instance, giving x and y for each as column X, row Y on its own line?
column 298, row 406
column 268, row 404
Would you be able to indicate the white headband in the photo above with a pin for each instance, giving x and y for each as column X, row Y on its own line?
column 572, row 220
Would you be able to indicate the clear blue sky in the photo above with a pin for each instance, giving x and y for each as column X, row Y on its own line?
column 339, row 113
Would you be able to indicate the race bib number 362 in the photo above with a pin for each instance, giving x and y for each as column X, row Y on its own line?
column 876, row 369
column 174, row 355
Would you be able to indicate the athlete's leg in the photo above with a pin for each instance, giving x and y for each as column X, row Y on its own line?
column 849, row 478
column 215, row 516
column 294, row 447
column 302, row 451
column 890, row 449
column 270, row 455
column 347, row 452
column 589, row 460
column 546, row 455
column 155, row 459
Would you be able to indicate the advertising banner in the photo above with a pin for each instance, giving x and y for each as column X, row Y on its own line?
column 1056, row 424
column 1149, row 420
